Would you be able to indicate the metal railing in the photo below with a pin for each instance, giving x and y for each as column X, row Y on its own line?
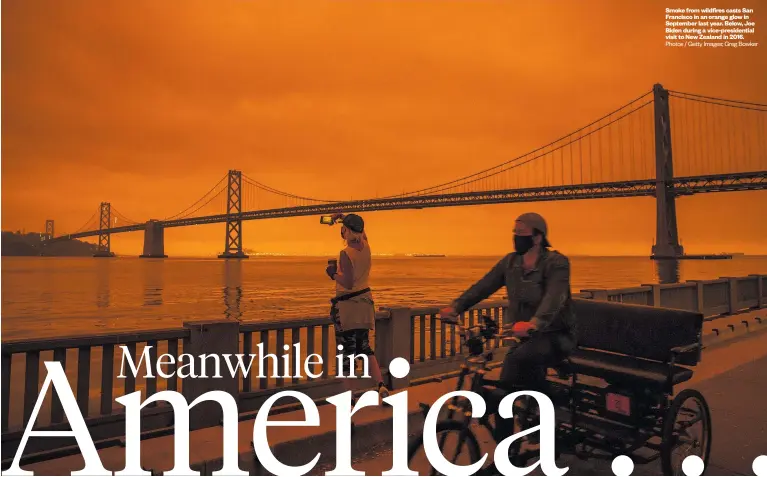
column 90, row 364
column 725, row 295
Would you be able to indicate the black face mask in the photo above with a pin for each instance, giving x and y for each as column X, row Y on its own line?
column 523, row 243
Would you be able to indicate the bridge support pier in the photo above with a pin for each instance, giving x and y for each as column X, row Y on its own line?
column 233, row 239
column 105, row 223
column 154, row 240
column 667, row 238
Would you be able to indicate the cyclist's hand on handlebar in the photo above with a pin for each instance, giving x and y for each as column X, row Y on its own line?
column 523, row 329
column 449, row 315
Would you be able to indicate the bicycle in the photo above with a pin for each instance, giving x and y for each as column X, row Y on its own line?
column 477, row 362
column 617, row 399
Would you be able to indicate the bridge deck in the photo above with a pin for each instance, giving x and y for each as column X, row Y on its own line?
column 756, row 180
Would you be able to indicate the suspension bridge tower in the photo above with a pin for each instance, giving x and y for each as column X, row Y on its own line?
column 49, row 229
column 105, row 224
column 667, row 238
column 233, row 239
column 46, row 237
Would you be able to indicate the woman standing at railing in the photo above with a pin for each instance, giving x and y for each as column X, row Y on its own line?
column 353, row 310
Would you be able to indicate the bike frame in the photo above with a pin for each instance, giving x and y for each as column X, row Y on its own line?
column 479, row 369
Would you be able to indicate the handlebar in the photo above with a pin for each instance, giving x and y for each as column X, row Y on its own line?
column 487, row 329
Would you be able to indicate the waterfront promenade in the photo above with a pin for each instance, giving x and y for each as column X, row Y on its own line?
column 730, row 376
column 412, row 333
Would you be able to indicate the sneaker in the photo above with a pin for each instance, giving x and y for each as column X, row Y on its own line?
column 383, row 391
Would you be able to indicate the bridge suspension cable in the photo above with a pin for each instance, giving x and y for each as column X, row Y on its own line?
column 91, row 224
column 720, row 100
column 713, row 135
column 254, row 200
column 218, row 195
column 186, row 212
column 540, row 152
column 123, row 220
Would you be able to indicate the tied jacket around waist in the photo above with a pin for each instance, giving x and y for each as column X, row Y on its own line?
column 541, row 295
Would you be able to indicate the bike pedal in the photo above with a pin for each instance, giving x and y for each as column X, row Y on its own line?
column 582, row 454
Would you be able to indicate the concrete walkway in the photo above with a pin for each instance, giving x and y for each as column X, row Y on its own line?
column 729, row 377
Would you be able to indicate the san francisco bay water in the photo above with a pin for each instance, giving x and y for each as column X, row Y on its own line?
column 51, row 296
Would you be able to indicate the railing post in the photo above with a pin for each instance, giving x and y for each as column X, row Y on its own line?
column 732, row 294
column 761, row 302
column 393, row 341
column 654, row 299
column 210, row 337
column 655, row 295
column 701, row 308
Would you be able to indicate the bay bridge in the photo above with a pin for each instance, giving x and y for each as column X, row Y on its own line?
column 663, row 144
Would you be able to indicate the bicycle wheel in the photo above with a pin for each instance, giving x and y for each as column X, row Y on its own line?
column 686, row 431
column 521, row 449
column 460, row 448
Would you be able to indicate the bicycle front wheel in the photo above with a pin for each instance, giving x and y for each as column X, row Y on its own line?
column 459, row 446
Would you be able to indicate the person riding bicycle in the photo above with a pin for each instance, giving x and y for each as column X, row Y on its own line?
column 537, row 281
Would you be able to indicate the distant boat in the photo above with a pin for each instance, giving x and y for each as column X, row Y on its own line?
column 718, row 256
column 426, row 255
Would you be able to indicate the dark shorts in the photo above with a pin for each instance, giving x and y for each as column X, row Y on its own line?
column 526, row 364
column 354, row 342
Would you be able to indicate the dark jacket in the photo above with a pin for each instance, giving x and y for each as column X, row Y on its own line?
column 541, row 295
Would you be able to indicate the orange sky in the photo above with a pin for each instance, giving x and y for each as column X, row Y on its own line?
column 147, row 105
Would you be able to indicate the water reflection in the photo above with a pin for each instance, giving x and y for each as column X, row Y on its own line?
column 232, row 291
column 47, row 288
column 667, row 271
column 153, row 282
column 103, row 268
